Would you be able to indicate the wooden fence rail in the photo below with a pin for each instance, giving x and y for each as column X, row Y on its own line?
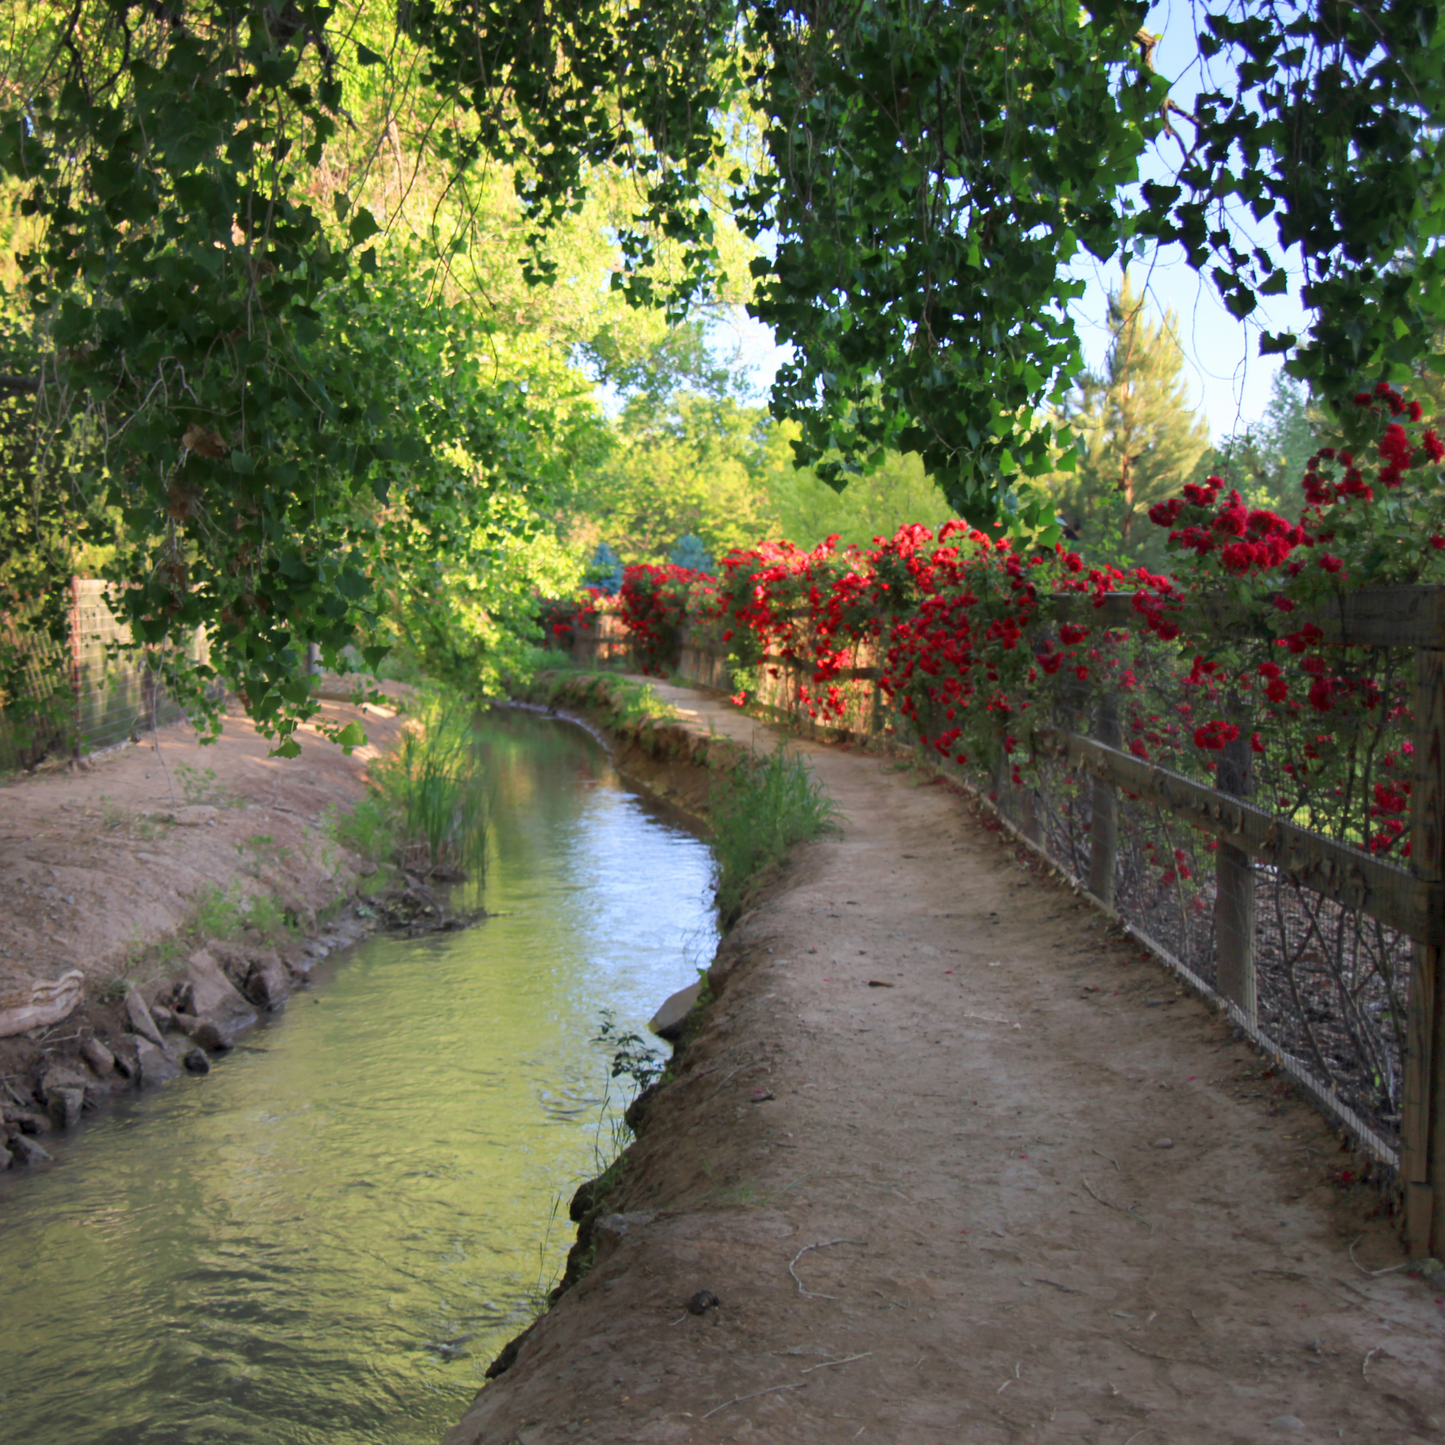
column 1409, row 900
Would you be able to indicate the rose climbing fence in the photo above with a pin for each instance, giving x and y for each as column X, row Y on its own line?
column 1308, row 940
column 1244, row 759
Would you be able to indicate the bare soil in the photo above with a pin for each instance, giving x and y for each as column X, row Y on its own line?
column 960, row 1164
column 105, row 862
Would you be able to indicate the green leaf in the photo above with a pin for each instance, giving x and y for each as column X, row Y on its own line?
column 351, row 736
column 363, row 226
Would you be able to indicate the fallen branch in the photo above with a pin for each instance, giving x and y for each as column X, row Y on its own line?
column 738, row 1399
column 50, row 1002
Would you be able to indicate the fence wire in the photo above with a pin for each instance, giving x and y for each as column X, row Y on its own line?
column 1331, row 982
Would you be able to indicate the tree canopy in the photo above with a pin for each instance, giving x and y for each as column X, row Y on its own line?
column 300, row 284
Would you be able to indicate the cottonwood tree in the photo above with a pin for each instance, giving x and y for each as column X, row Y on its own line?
column 924, row 173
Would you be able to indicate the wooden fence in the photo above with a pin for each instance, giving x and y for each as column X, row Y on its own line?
column 1409, row 899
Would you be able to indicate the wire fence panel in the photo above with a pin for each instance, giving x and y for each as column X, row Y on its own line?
column 89, row 692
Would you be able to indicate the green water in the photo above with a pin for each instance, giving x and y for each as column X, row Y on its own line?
column 297, row 1246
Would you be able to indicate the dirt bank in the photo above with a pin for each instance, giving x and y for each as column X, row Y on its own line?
column 960, row 1164
column 121, row 869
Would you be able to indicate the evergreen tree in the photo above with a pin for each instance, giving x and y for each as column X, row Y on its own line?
column 1139, row 439
column 1267, row 461
column 688, row 551
column 604, row 571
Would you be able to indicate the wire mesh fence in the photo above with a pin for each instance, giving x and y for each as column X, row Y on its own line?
column 1331, row 983
column 83, row 692
column 1314, row 973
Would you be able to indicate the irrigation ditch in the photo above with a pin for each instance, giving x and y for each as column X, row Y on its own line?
column 946, row 1150
column 163, row 900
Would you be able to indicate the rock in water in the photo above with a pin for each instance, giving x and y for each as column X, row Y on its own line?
column 65, row 1106
column 208, row 1036
column 98, row 1057
column 215, row 998
column 670, row 1020
column 138, row 1015
column 196, row 1062
column 127, row 1064
column 269, row 982
column 27, row 1151
column 156, row 1065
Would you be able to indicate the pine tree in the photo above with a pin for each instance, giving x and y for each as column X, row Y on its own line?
column 1266, row 461
column 1139, row 439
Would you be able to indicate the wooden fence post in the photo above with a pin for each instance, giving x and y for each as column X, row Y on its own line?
column 1104, row 810
column 1234, row 907
column 75, row 667
column 1422, row 1123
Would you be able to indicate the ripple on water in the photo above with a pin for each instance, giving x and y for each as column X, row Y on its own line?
column 328, row 1237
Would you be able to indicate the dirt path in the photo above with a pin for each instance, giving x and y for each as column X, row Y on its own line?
column 1023, row 1191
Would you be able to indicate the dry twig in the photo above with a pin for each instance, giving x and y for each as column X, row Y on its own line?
column 1117, row 1207
column 1391, row 1269
column 822, row 1244
column 828, row 1364
column 738, row 1399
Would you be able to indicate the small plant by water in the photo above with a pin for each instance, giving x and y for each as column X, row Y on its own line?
column 429, row 810
column 763, row 809
column 633, row 1057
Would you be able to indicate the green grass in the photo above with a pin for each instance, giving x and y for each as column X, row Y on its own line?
column 766, row 807
column 433, row 789
column 224, row 912
column 369, row 829
column 620, row 700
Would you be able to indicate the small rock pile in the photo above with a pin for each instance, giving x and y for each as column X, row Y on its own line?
column 156, row 1031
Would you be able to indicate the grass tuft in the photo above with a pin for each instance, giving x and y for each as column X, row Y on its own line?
column 766, row 807
column 430, row 808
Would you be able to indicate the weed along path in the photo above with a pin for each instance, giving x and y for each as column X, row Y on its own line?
column 958, row 1165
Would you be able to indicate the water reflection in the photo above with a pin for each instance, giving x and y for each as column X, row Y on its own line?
column 327, row 1238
